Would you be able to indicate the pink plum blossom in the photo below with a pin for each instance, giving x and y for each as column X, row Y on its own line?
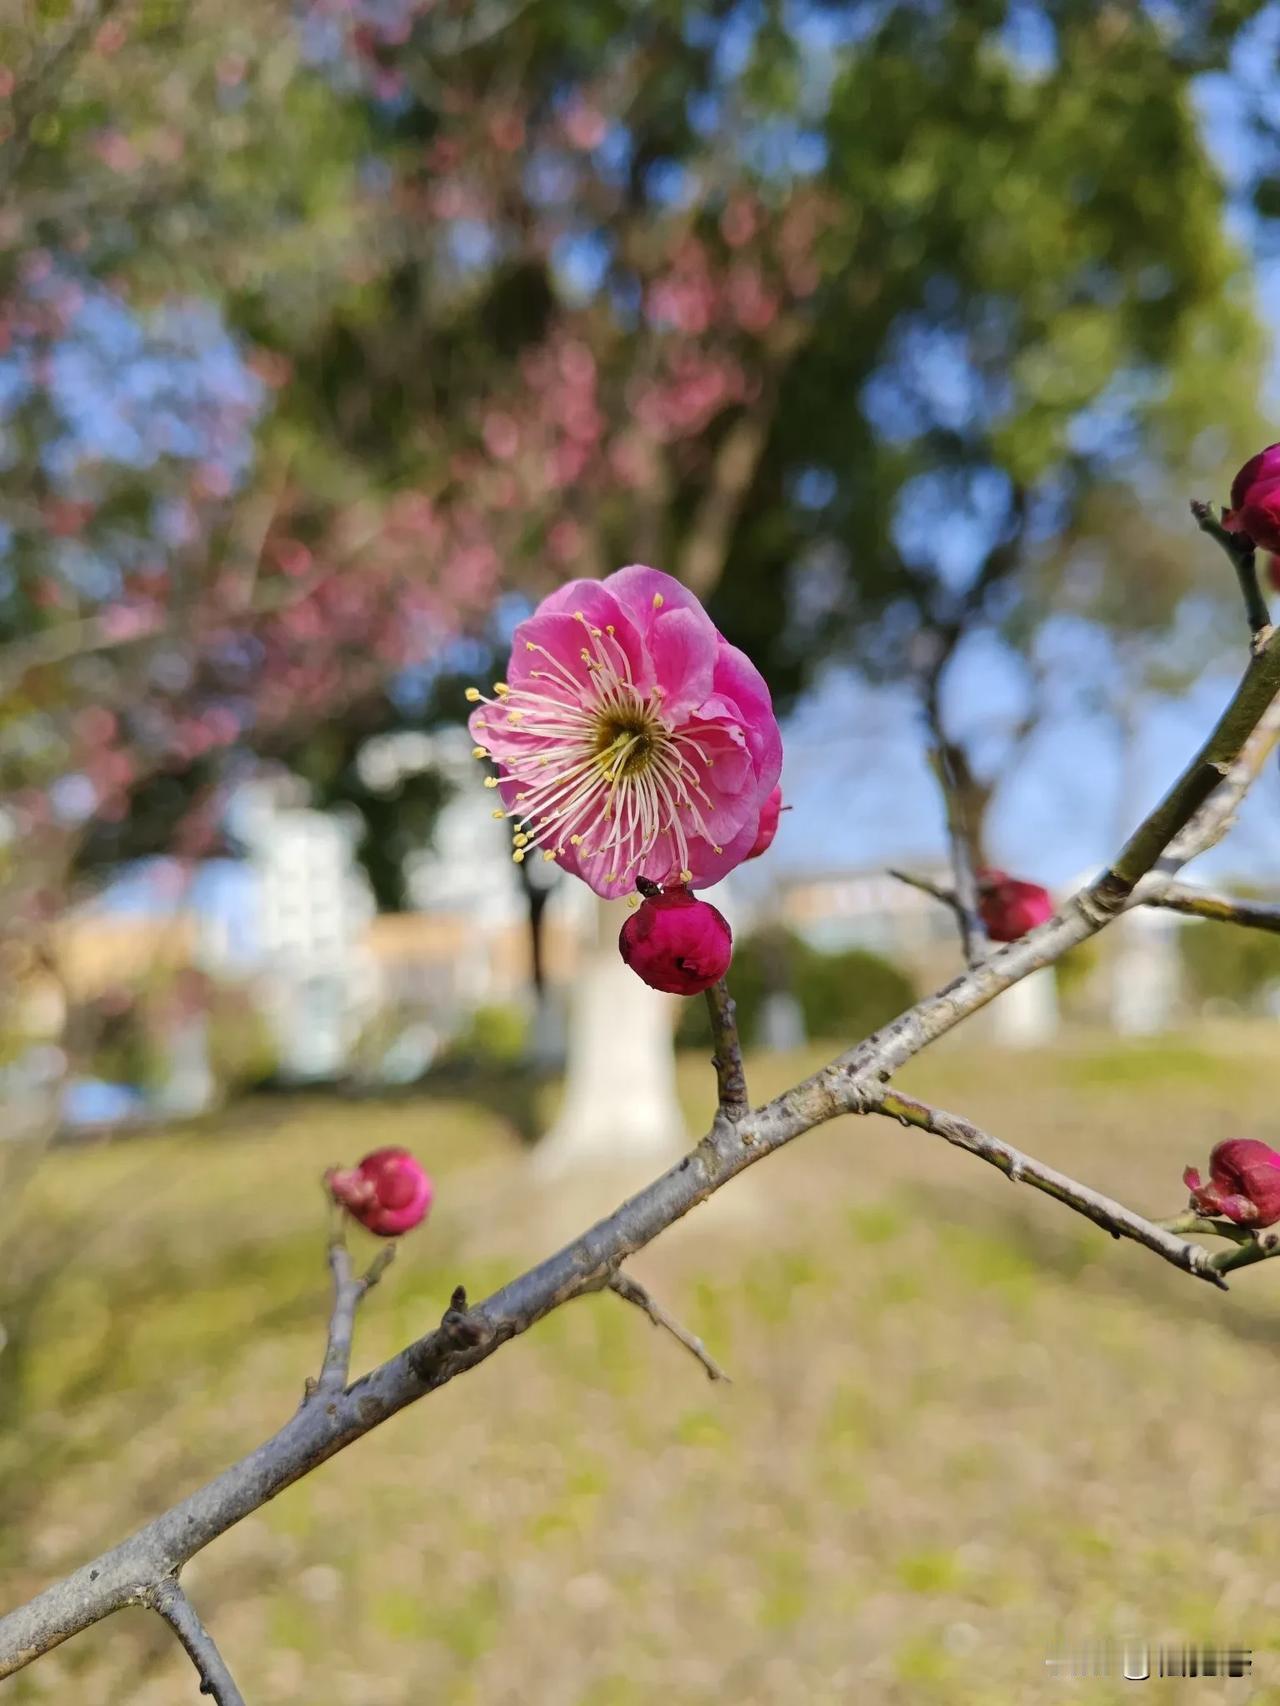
column 1009, row 907
column 389, row 1192
column 1244, row 1183
column 1255, row 500
column 770, row 812
column 675, row 942
column 631, row 739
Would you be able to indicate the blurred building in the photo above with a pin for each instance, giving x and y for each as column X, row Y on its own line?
column 869, row 909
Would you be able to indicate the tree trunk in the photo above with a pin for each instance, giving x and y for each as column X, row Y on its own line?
column 620, row 1083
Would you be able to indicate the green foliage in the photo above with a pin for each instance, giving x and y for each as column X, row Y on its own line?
column 1024, row 327
column 844, row 995
column 1223, row 964
column 494, row 1035
column 243, row 1053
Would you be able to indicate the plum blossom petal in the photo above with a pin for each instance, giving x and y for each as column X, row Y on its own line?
column 630, row 740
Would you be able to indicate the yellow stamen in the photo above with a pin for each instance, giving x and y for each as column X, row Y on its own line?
column 548, row 856
column 686, row 876
column 501, row 689
column 491, row 781
column 520, row 839
column 472, row 695
column 479, row 752
column 518, row 855
column 497, row 816
column 658, row 601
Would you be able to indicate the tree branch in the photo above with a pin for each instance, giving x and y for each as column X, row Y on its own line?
column 1261, row 1247
column 1240, row 548
column 168, row 1599
column 934, row 890
column 730, row 1073
column 631, row 1291
column 1104, row 1211
column 347, row 1294
column 1182, row 824
column 1204, row 903
column 964, row 899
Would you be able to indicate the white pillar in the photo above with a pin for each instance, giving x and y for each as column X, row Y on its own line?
column 1146, row 972
column 620, row 1078
column 1026, row 1015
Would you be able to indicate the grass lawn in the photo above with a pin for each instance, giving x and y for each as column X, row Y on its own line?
column 964, row 1425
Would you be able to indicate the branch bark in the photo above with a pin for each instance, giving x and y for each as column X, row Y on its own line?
column 631, row 1291
column 168, row 1599
column 731, row 1076
column 1104, row 1211
column 348, row 1291
column 1222, row 908
column 960, row 842
column 1240, row 549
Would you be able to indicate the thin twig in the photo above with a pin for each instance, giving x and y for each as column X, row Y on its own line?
column 1240, row 548
column 730, row 1073
column 1259, row 1248
column 1222, row 908
column 631, row 1291
column 935, row 890
column 168, row 1599
column 964, row 901
column 348, row 1290
column 1185, row 898
column 1120, row 1221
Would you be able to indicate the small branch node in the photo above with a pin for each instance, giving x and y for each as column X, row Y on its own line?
column 168, row 1600
column 458, row 1324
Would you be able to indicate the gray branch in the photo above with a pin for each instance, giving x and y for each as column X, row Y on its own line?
column 1222, row 908
column 348, row 1290
column 168, row 1599
column 731, row 1077
column 964, row 901
column 631, row 1291
column 1240, row 549
column 1194, row 811
column 1022, row 1169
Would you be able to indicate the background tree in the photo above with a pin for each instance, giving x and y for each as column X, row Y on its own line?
column 898, row 311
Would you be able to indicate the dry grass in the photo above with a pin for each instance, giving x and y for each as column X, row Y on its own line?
column 961, row 1422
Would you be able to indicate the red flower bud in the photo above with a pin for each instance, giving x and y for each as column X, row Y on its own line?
column 676, row 942
column 769, row 814
column 389, row 1192
column 1244, row 1183
column 1009, row 908
column 1255, row 500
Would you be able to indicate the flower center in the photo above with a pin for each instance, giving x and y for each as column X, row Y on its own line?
column 594, row 765
column 626, row 744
